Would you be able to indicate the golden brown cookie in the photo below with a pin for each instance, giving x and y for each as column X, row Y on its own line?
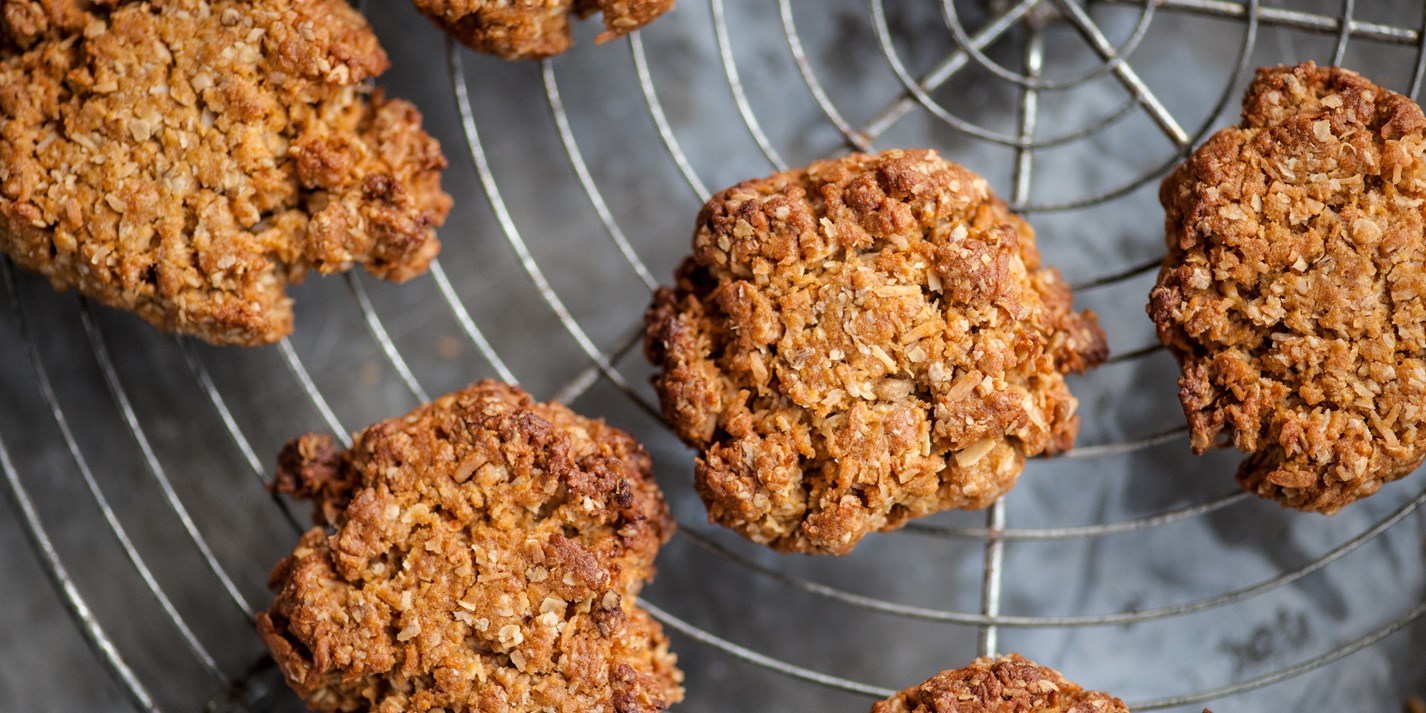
column 1294, row 290
column 481, row 553
column 187, row 159
column 1006, row 685
column 531, row 29
column 861, row 342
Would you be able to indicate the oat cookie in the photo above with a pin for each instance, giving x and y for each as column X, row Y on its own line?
column 861, row 342
column 187, row 159
column 482, row 553
column 1006, row 685
column 1293, row 290
column 531, row 29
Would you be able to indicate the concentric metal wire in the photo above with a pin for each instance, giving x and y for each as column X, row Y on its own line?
column 996, row 533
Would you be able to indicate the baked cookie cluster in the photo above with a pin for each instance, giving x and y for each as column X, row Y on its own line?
column 482, row 553
column 1010, row 684
column 533, row 29
column 187, row 159
column 1294, row 291
column 865, row 341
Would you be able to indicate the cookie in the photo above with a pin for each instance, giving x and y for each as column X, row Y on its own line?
column 1006, row 685
column 186, row 160
column 482, row 553
column 1292, row 292
column 858, row 343
column 533, row 29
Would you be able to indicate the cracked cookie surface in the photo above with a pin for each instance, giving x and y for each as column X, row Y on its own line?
column 187, row 159
column 861, row 342
column 533, row 29
column 1293, row 290
column 1010, row 684
column 482, row 553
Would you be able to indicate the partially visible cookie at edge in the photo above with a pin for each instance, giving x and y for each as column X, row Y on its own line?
column 187, row 160
column 481, row 553
column 858, row 343
column 1011, row 684
column 534, row 29
column 1294, row 290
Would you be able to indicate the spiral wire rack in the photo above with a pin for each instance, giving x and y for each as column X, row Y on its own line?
column 974, row 46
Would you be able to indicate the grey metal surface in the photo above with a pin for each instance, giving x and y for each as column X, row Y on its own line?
column 137, row 459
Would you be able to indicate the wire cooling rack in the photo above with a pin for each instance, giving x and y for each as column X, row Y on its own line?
column 135, row 462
